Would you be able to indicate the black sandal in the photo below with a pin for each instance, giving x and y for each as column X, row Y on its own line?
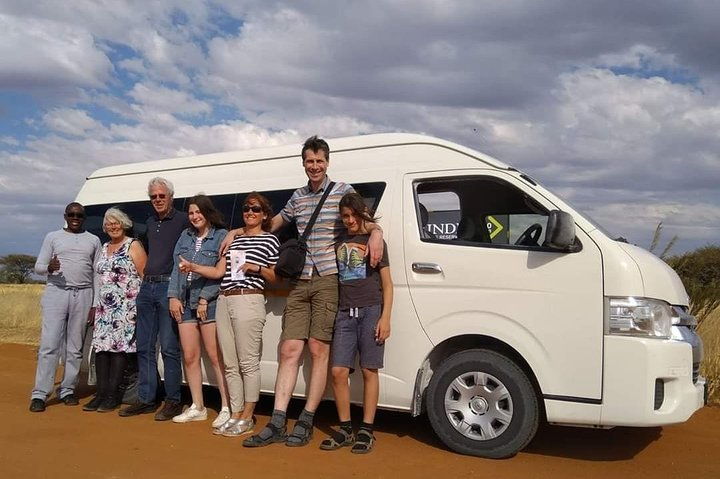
column 279, row 434
column 364, row 443
column 301, row 434
column 337, row 440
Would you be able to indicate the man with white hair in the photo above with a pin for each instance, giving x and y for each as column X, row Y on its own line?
column 153, row 320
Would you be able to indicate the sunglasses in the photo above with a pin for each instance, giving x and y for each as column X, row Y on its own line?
column 160, row 196
column 72, row 214
column 253, row 208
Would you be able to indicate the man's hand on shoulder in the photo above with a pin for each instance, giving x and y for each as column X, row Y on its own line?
column 375, row 246
column 229, row 238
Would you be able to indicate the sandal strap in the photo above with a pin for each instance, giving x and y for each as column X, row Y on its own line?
column 301, row 434
column 339, row 437
column 363, row 443
column 278, row 433
column 306, row 426
column 275, row 430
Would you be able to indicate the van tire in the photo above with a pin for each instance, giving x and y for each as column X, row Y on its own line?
column 490, row 390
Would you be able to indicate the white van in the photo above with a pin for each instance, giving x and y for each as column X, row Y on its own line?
column 511, row 307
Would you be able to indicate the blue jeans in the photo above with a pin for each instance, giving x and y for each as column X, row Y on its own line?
column 154, row 322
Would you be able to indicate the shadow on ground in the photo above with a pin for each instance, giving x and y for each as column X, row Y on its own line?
column 587, row 444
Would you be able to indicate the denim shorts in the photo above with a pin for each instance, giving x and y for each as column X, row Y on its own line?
column 355, row 333
column 190, row 315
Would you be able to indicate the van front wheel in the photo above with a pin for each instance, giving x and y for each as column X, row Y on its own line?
column 482, row 404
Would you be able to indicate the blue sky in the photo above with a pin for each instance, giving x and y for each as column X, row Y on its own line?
column 612, row 104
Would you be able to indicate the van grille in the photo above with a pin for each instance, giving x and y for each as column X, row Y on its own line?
column 659, row 393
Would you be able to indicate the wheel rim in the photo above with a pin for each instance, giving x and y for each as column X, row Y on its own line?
column 478, row 405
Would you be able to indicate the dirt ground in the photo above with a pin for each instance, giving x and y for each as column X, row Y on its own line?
column 65, row 442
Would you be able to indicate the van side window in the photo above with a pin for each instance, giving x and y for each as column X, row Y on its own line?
column 478, row 211
column 225, row 205
column 439, row 214
column 138, row 211
column 230, row 205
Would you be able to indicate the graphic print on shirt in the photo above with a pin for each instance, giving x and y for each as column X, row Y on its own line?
column 351, row 262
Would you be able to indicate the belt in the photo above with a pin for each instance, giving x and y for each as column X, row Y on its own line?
column 240, row 291
column 156, row 278
column 73, row 288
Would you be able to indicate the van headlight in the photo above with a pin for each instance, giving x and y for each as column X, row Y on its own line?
column 640, row 317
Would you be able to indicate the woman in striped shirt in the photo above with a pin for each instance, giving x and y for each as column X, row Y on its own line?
column 246, row 268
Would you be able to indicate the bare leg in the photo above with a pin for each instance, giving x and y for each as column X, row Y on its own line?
column 249, row 410
column 371, row 392
column 290, row 351
column 341, row 390
column 209, row 337
column 190, row 342
column 320, row 353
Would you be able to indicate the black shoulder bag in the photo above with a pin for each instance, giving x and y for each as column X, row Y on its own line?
column 291, row 254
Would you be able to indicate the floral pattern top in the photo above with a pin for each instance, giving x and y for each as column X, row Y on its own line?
column 116, row 309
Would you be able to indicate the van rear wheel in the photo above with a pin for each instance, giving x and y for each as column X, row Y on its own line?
column 482, row 404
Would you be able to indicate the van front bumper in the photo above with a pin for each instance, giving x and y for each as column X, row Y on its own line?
column 649, row 382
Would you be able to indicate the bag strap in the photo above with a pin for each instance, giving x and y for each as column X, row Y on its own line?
column 315, row 214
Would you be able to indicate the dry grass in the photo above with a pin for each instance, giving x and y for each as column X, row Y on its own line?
column 709, row 331
column 20, row 323
column 20, row 319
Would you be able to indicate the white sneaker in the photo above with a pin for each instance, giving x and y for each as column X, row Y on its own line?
column 222, row 417
column 191, row 414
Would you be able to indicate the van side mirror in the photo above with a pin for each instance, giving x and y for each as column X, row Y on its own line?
column 560, row 234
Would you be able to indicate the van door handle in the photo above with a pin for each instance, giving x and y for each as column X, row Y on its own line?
column 426, row 268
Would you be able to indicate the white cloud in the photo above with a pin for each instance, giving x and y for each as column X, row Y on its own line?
column 71, row 121
column 44, row 54
column 168, row 100
column 536, row 84
column 688, row 221
column 637, row 57
column 9, row 140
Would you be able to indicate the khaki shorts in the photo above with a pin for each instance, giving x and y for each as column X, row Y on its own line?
column 311, row 309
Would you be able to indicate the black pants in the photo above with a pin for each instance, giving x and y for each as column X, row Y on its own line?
column 110, row 371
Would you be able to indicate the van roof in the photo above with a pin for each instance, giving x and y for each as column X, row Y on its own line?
column 337, row 145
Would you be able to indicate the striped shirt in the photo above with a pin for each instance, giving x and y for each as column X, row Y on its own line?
column 261, row 250
column 198, row 245
column 327, row 228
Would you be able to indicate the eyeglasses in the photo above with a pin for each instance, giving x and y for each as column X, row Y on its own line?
column 253, row 208
column 112, row 226
column 160, row 196
column 72, row 214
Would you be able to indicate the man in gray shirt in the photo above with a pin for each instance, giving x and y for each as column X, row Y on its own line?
column 68, row 257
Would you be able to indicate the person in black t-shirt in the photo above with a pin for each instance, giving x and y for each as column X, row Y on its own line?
column 154, row 322
column 361, row 327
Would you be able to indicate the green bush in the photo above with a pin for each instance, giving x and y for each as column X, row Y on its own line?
column 700, row 273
